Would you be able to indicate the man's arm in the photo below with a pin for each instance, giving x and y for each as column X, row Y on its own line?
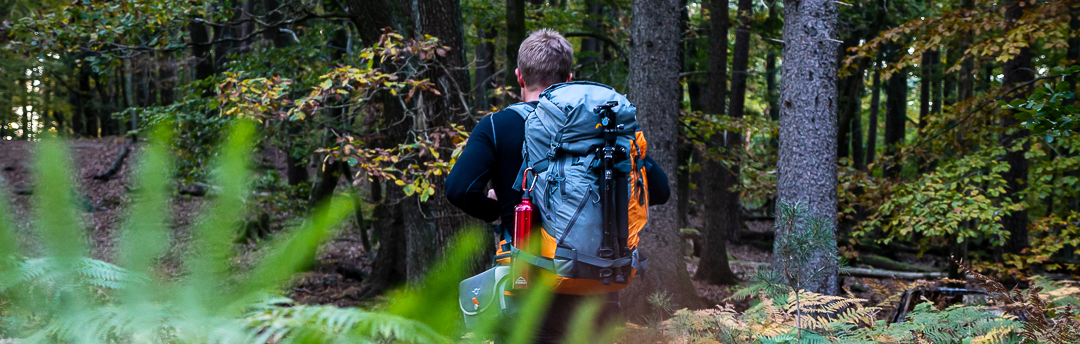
column 467, row 180
column 659, row 190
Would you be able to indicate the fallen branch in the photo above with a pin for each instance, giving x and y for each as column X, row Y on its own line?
column 858, row 272
column 886, row 263
column 119, row 162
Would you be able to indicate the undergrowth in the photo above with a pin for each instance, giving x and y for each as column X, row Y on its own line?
column 61, row 295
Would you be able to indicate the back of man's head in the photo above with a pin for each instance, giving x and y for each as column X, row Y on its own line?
column 545, row 58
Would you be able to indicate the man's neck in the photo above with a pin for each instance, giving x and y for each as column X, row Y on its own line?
column 531, row 96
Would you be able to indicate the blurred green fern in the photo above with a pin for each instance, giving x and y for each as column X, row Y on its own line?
column 66, row 297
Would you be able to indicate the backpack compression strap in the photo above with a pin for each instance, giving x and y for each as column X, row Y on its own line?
column 636, row 259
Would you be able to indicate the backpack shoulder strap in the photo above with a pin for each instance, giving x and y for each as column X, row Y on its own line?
column 522, row 109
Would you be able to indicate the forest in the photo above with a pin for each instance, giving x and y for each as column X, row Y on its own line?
column 274, row 171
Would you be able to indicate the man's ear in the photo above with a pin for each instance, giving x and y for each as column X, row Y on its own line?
column 570, row 77
column 521, row 81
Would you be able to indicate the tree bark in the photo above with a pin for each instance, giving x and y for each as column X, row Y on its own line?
column 296, row 172
column 204, row 63
column 654, row 89
column 850, row 89
column 872, row 125
column 773, row 24
column 590, row 51
column 1015, row 70
column 927, row 100
column 722, row 220
column 717, row 180
column 515, row 33
column 430, row 225
column 895, row 115
column 485, row 69
column 806, row 170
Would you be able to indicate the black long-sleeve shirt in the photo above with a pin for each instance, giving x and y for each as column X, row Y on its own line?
column 494, row 154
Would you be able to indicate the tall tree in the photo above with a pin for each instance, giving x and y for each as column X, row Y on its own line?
column 850, row 92
column 927, row 79
column 485, row 68
column 773, row 26
column 515, row 33
column 722, row 218
column 872, row 122
column 895, row 112
column 654, row 89
column 806, row 170
column 427, row 234
column 296, row 171
column 1016, row 70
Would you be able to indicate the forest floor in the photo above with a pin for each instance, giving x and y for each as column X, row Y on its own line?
column 337, row 276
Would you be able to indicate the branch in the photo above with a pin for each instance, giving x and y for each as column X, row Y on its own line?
column 859, row 272
column 600, row 37
column 992, row 101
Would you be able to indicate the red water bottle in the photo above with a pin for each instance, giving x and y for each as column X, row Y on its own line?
column 522, row 230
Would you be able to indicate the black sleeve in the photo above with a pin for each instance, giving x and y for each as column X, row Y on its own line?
column 659, row 190
column 465, row 186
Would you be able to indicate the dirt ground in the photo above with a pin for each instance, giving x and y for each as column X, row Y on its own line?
column 337, row 277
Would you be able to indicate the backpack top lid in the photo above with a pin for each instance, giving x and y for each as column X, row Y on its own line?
column 566, row 121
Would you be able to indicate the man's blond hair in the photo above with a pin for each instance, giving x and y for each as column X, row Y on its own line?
column 545, row 58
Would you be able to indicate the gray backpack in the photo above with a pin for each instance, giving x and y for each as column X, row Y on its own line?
column 565, row 138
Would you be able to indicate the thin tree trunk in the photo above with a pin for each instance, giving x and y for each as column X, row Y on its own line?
column 485, row 68
column 204, row 63
column 771, row 23
column 721, row 217
column 926, row 96
column 895, row 114
column 515, row 33
column 1015, row 70
column 90, row 107
column 296, row 172
column 78, row 101
column 849, row 90
column 590, row 46
column 654, row 89
column 806, row 170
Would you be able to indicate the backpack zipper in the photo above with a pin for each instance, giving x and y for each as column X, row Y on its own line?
column 573, row 219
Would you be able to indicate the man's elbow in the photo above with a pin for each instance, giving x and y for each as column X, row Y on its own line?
column 659, row 197
column 455, row 195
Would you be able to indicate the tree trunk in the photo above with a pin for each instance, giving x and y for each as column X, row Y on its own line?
column 966, row 89
column 296, row 171
column 858, row 153
column 773, row 24
column 590, row 51
column 388, row 268
column 806, row 170
column 204, row 64
column 429, row 225
column 850, row 88
column 927, row 100
column 485, row 69
column 654, row 89
column 515, row 33
column 1015, row 70
column 895, row 115
column 89, row 111
column 722, row 220
column 720, row 203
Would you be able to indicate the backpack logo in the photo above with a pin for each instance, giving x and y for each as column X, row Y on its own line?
column 476, row 291
column 521, row 280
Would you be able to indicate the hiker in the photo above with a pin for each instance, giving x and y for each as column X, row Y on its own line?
column 494, row 154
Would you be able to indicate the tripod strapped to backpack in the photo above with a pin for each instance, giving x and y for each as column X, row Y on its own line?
column 613, row 242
